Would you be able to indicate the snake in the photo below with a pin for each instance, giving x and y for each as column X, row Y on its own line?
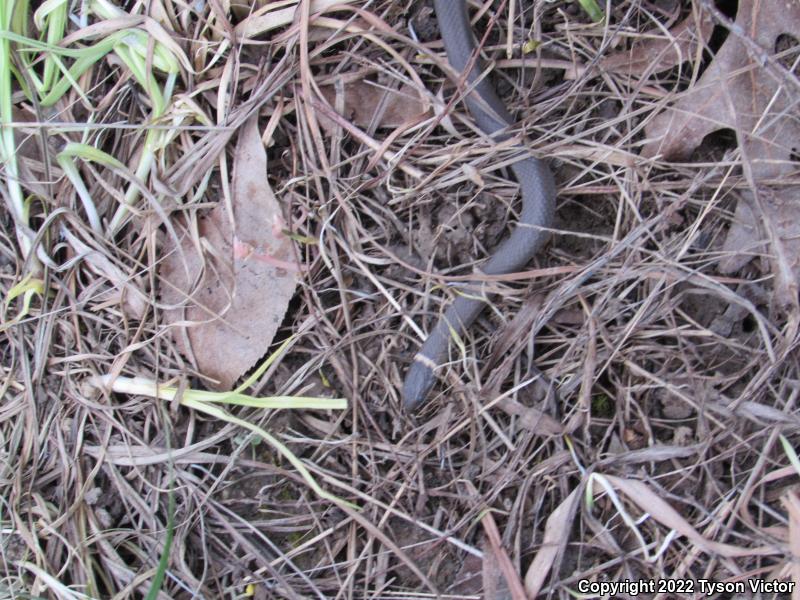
column 537, row 190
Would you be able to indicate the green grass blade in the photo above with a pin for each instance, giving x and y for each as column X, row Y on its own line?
column 51, row 17
column 790, row 453
column 593, row 9
column 200, row 401
column 90, row 153
column 7, row 143
column 260, row 371
column 272, row 441
column 71, row 171
column 163, row 562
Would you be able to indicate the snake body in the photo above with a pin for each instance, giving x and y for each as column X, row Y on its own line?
column 538, row 203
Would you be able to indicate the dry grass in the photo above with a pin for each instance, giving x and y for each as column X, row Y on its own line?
column 664, row 371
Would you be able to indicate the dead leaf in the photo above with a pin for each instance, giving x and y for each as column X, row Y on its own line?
column 494, row 584
column 660, row 510
column 273, row 15
column 558, row 522
column 655, row 453
column 500, row 578
column 653, row 52
column 735, row 74
column 239, row 277
column 531, row 418
column 365, row 103
column 745, row 90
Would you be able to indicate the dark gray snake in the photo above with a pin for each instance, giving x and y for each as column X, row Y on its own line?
column 538, row 203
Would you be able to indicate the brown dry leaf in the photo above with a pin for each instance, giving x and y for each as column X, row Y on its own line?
column 273, row 15
column 660, row 510
column 366, row 103
column 653, row 52
column 745, row 90
column 654, row 453
column 242, row 282
column 531, row 418
column 554, row 539
column 500, row 578
column 494, row 584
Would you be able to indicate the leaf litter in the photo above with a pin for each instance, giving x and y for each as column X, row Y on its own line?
column 242, row 271
column 639, row 356
column 746, row 89
column 368, row 105
column 652, row 52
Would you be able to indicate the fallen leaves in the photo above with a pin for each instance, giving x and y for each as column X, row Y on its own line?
column 230, row 285
column 496, row 563
column 273, row 15
column 648, row 501
column 368, row 104
column 559, row 521
column 746, row 89
column 653, row 52
column 659, row 509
